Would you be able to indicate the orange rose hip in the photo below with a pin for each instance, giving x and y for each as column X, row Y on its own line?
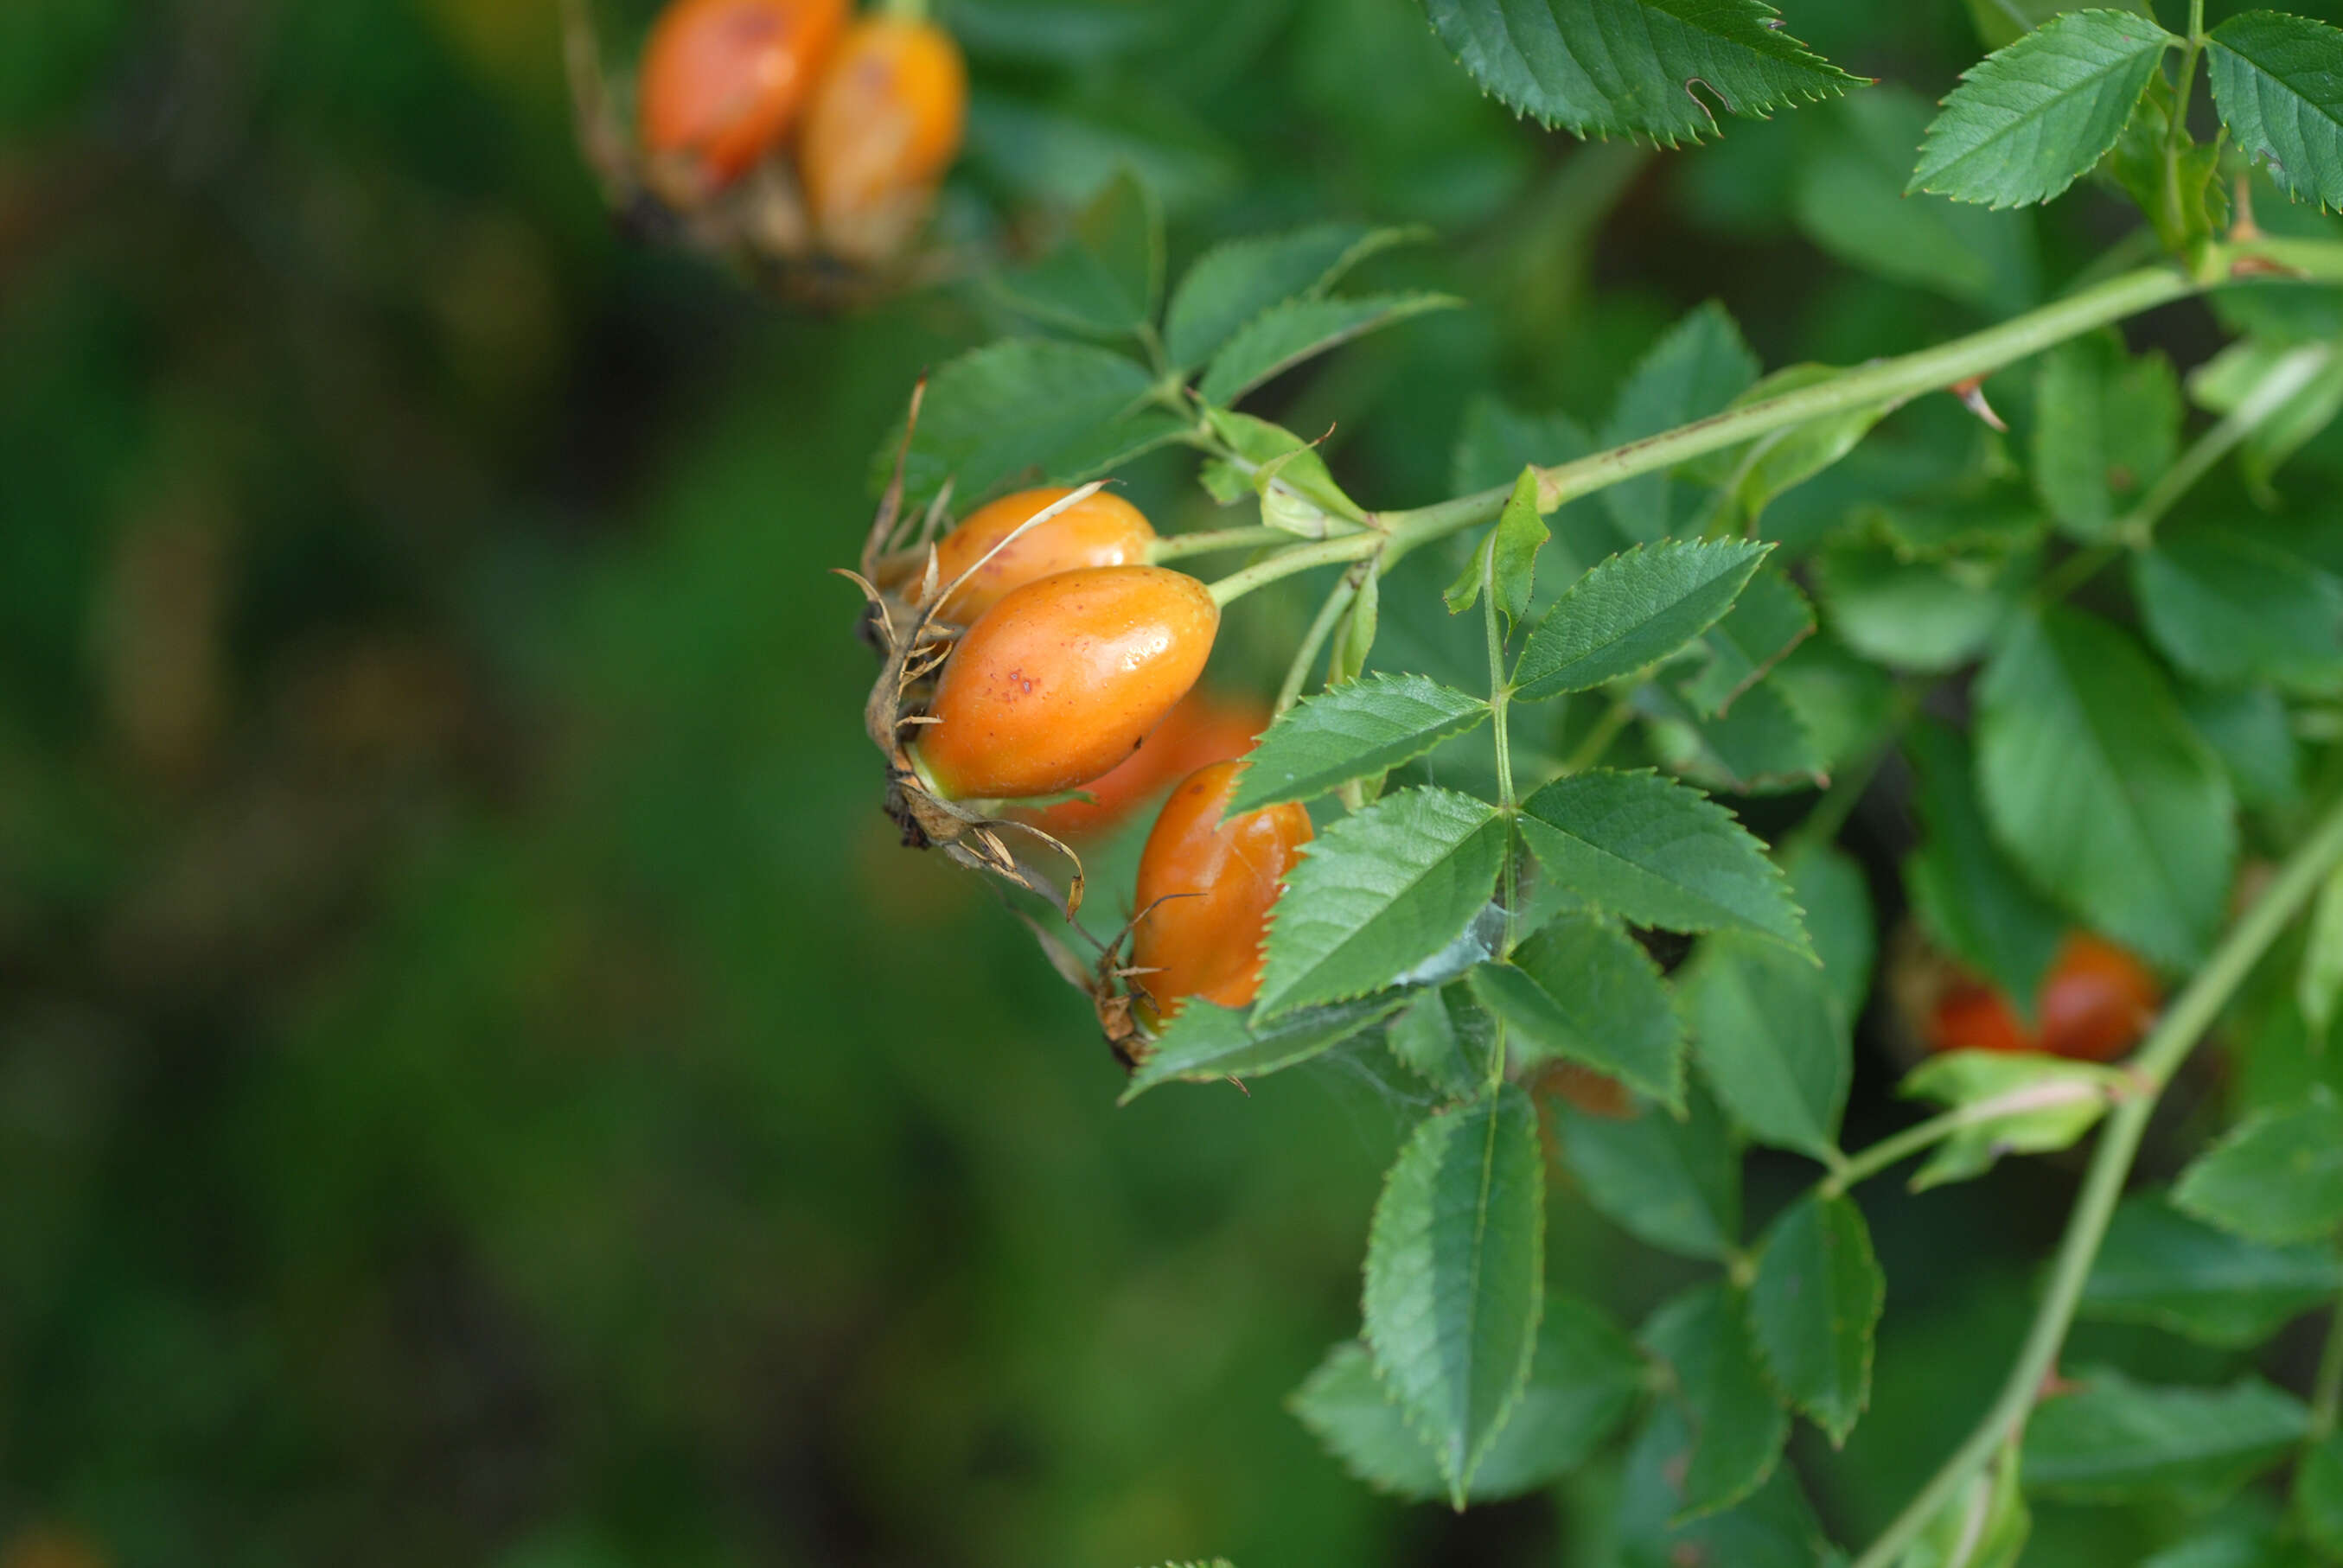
column 1205, row 888
column 723, row 80
column 1100, row 530
column 885, row 124
column 1062, row 678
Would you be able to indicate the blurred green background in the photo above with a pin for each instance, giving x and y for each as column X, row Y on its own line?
column 479, row 1082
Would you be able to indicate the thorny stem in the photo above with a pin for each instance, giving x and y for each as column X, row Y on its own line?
column 2168, row 1046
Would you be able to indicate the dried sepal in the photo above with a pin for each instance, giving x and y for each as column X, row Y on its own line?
column 914, row 641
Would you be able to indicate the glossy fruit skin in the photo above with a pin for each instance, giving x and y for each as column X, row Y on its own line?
column 884, row 125
column 2095, row 1004
column 1061, row 680
column 1203, row 729
column 1205, row 888
column 1100, row 530
column 723, row 80
column 2098, row 1001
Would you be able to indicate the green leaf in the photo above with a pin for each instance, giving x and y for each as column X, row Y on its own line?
column 1355, row 636
column 1444, row 1038
column 1023, row 406
column 2318, row 1494
column 1632, row 611
column 1738, row 1427
column 1695, row 371
column 2251, row 1542
column 1582, row 989
column 1829, row 886
column 2242, row 376
column 1761, row 745
column 1585, row 1374
column 2117, row 1440
column 1353, row 730
column 1968, row 896
column 1770, row 619
column 2000, row 22
column 1675, row 1182
column 1497, row 440
column 1285, row 335
column 2318, row 983
column 2010, row 1104
column 2093, row 778
column 1812, row 1307
column 1785, row 459
column 1656, row 854
column 1929, row 617
column 1378, row 892
column 2230, row 610
column 2107, row 426
column 1849, row 200
column 1982, row 1526
column 1234, row 282
column 1773, row 1040
column 1624, row 67
column 2030, row 119
column 1455, row 1275
column 1994, row 525
column 1847, row 708
column 2159, row 1266
column 2251, row 730
column 2276, row 84
column 2176, row 182
column 1773, row 1527
column 1507, row 555
column 1106, row 278
column 2275, row 1177
column 1282, row 462
column 1208, row 1044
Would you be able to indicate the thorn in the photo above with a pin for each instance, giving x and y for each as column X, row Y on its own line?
column 2263, row 266
column 1971, row 392
column 2245, row 228
column 1240, row 1083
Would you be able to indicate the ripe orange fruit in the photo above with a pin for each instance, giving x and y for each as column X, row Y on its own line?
column 1203, row 729
column 2093, row 1005
column 722, row 80
column 1062, row 678
column 885, row 124
column 1100, row 530
column 1205, row 888
column 2098, row 1001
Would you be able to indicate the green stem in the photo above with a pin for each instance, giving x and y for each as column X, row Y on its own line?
column 1177, row 546
column 1329, row 614
column 2326, row 1389
column 1501, row 693
column 2176, row 130
column 2289, row 376
column 1301, row 558
column 1885, row 382
column 2168, row 1047
column 2137, row 529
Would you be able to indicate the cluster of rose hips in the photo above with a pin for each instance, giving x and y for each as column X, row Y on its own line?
column 1032, row 650
column 2093, row 1005
column 792, row 131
